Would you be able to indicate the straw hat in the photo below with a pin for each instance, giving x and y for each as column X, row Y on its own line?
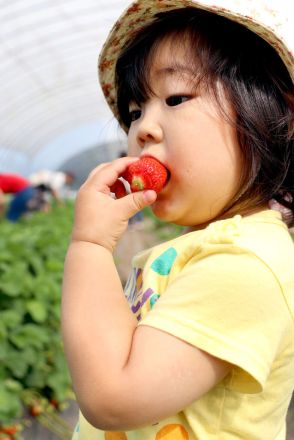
column 270, row 19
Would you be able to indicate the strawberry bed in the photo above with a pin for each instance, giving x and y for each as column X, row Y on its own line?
column 33, row 371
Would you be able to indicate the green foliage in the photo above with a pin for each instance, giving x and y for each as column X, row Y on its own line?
column 32, row 252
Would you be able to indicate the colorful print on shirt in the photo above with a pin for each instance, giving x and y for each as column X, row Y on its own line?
column 137, row 293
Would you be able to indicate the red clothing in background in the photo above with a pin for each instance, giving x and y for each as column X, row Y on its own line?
column 13, row 183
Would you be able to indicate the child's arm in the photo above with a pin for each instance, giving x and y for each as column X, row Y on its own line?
column 123, row 376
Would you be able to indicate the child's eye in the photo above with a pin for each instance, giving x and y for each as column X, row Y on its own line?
column 176, row 100
column 134, row 114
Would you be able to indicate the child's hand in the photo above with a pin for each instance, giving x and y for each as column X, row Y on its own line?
column 99, row 218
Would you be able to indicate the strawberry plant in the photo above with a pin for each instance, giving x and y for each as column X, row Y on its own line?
column 32, row 252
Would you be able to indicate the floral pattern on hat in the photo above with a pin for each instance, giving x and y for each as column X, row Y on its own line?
column 270, row 19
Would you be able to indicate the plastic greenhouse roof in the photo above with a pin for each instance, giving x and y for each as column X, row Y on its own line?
column 48, row 68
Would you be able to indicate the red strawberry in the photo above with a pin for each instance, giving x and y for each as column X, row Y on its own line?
column 54, row 403
column 36, row 409
column 118, row 189
column 146, row 173
column 11, row 430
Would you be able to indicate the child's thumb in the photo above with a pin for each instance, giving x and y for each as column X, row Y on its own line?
column 136, row 201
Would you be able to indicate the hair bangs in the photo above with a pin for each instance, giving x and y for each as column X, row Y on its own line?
column 133, row 77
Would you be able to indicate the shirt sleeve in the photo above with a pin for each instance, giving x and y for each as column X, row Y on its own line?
column 231, row 306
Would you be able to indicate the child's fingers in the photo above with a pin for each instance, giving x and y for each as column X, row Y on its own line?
column 108, row 172
column 135, row 202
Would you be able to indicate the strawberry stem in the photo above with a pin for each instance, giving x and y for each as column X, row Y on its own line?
column 138, row 183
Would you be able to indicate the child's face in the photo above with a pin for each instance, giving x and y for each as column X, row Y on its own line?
column 183, row 129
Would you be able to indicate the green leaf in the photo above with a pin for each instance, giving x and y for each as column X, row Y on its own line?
column 3, row 330
column 16, row 364
column 30, row 355
column 10, row 405
column 4, row 348
column 37, row 379
column 9, row 288
column 35, row 263
column 15, row 280
column 13, row 385
column 37, row 310
column 29, row 334
column 59, row 384
column 10, row 318
column 54, row 265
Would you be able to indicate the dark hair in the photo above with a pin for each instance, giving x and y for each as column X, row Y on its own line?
column 254, row 79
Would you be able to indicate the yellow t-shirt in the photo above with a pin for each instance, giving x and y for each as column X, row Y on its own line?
column 228, row 290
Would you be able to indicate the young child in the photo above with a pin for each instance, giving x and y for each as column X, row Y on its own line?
column 201, row 344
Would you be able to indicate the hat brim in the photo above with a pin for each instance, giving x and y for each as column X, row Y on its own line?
column 270, row 24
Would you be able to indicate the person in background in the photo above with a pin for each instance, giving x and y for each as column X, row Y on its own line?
column 24, row 198
column 58, row 181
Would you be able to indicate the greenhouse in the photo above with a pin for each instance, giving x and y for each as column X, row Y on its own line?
column 52, row 106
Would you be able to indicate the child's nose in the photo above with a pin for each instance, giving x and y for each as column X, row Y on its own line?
column 149, row 131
